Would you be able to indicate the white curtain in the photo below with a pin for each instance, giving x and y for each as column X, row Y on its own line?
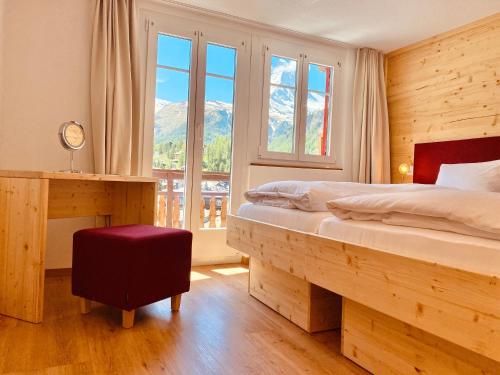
column 115, row 90
column 371, row 149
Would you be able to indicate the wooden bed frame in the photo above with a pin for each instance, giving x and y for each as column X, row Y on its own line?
column 398, row 314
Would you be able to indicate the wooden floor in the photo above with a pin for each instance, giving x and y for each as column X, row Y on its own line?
column 220, row 329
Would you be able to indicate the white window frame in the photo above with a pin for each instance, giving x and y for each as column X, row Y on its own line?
column 329, row 60
column 304, row 56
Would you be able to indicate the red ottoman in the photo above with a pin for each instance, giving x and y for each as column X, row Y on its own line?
column 131, row 266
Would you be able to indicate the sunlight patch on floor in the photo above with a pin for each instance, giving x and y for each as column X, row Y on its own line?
column 195, row 276
column 230, row 271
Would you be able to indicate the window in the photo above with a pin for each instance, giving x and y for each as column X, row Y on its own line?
column 282, row 105
column 318, row 124
column 297, row 105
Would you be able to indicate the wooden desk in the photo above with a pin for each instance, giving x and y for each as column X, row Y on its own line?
column 29, row 199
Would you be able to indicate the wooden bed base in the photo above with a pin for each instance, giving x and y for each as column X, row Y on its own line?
column 400, row 314
column 309, row 306
column 384, row 345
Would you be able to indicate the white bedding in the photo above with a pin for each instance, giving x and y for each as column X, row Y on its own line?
column 473, row 213
column 313, row 195
column 450, row 249
column 284, row 217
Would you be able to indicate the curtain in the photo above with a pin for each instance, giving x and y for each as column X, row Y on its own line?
column 371, row 150
column 115, row 90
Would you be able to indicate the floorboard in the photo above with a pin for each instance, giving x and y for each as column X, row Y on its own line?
column 219, row 329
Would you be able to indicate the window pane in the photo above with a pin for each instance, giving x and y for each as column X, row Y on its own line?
column 219, row 90
column 170, row 136
column 170, row 128
column 317, row 125
column 220, row 60
column 174, row 52
column 171, row 111
column 218, row 125
column 172, row 85
column 319, row 78
column 217, row 137
column 283, row 71
column 281, row 126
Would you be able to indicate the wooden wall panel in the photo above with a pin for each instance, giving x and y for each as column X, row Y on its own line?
column 444, row 88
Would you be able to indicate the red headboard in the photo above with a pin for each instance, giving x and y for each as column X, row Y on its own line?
column 429, row 156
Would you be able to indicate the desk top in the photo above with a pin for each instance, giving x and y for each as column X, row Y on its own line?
column 74, row 176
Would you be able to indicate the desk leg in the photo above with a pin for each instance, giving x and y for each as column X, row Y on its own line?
column 23, row 227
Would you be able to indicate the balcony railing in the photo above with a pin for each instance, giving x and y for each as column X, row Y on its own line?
column 170, row 210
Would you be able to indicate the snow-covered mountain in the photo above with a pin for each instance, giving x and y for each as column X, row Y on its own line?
column 281, row 117
column 171, row 117
column 171, row 120
column 160, row 103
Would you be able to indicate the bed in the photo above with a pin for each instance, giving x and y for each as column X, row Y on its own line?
column 406, row 308
column 292, row 219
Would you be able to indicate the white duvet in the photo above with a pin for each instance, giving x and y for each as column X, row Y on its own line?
column 313, row 195
column 466, row 212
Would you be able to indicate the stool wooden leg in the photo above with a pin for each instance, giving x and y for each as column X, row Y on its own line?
column 84, row 305
column 175, row 302
column 128, row 318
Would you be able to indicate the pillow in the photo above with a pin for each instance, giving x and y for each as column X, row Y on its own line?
column 471, row 176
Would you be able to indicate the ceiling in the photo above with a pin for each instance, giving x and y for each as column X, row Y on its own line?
column 382, row 24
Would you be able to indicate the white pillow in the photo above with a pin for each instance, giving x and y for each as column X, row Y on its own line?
column 471, row 176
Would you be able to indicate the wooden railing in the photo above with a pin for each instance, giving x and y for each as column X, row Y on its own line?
column 170, row 210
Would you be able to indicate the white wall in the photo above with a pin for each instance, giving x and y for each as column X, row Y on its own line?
column 46, row 69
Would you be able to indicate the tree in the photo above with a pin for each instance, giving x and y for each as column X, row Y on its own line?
column 217, row 155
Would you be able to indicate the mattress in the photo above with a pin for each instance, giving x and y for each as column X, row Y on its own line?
column 468, row 253
column 285, row 217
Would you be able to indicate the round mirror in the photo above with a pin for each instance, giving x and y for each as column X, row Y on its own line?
column 72, row 135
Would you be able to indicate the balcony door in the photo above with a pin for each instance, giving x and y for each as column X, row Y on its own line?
column 197, row 82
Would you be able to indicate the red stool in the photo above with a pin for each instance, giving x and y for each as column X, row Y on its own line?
column 131, row 266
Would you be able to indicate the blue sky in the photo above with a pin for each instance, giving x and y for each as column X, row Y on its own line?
column 173, row 85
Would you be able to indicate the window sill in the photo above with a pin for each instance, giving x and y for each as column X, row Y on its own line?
column 304, row 165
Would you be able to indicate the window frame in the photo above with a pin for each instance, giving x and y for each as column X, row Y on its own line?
column 313, row 57
column 304, row 56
